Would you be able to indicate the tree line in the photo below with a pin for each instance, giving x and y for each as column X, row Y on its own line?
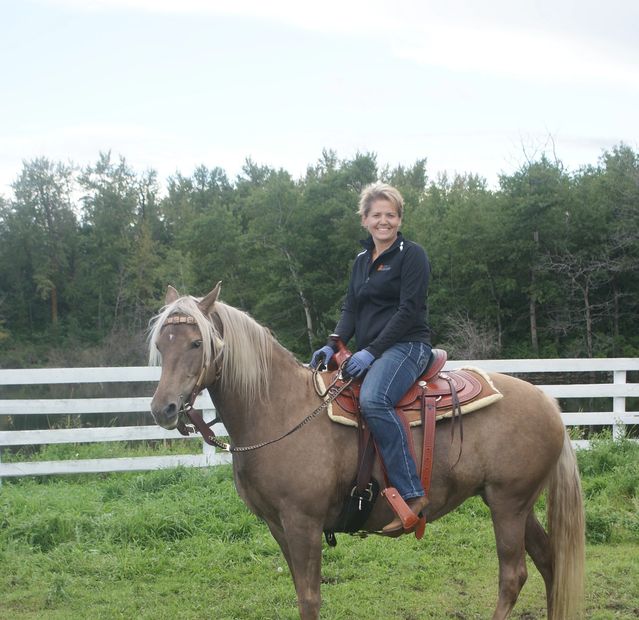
column 544, row 265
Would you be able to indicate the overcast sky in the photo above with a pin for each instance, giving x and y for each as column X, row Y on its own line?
column 472, row 85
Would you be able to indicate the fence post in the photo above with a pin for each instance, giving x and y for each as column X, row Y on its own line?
column 208, row 452
column 618, row 406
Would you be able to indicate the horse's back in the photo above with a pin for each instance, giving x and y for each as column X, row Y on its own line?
column 521, row 435
column 528, row 409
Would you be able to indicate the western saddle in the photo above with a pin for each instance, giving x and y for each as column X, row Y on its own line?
column 434, row 390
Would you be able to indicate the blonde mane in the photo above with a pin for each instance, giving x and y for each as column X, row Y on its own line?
column 246, row 351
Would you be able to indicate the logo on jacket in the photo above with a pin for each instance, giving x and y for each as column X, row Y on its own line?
column 382, row 267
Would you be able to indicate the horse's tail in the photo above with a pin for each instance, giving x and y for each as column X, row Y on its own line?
column 566, row 527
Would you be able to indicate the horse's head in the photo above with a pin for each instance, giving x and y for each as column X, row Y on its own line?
column 184, row 339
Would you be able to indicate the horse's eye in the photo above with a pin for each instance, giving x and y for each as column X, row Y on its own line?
column 197, row 344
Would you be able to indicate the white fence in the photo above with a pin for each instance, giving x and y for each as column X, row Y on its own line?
column 618, row 390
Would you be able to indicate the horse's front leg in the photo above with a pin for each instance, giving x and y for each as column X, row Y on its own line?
column 300, row 539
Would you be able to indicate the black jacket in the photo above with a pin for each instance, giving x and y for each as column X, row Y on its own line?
column 386, row 299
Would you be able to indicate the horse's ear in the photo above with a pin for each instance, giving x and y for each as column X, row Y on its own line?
column 206, row 305
column 171, row 295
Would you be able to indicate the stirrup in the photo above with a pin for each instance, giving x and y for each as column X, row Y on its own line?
column 410, row 522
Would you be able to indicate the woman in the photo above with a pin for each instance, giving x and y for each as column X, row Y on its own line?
column 385, row 308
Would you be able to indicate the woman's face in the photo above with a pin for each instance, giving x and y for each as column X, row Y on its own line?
column 382, row 222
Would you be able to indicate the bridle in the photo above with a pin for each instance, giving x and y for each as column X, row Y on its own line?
column 186, row 412
column 191, row 420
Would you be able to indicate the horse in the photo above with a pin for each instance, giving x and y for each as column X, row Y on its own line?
column 512, row 450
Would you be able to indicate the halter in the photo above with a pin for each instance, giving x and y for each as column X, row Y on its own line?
column 191, row 420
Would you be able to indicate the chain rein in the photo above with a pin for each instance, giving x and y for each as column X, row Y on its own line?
column 196, row 419
column 331, row 394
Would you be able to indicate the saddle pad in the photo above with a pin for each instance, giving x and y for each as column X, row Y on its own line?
column 481, row 393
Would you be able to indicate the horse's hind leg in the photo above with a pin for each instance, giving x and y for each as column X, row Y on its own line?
column 509, row 526
column 538, row 548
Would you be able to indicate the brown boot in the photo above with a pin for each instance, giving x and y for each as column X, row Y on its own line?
column 416, row 504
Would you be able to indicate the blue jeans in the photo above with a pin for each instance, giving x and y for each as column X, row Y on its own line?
column 387, row 380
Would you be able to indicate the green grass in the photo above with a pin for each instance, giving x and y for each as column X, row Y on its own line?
column 104, row 450
column 180, row 544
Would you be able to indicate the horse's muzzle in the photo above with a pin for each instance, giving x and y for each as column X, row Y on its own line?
column 166, row 416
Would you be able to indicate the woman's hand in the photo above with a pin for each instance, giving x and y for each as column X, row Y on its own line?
column 325, row 354
column 359, row 363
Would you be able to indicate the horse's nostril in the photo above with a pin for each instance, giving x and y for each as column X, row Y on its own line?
column 166, row 416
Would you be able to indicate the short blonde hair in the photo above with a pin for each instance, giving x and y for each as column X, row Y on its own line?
column 380, row 191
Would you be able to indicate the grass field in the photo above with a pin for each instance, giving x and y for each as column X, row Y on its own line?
column 180, row 544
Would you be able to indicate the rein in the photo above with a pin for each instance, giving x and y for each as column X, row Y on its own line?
column 198, row 423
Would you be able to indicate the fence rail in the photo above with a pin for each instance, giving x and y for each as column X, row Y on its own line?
column 617, row 390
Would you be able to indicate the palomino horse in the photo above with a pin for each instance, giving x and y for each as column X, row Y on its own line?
column 512, row 450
